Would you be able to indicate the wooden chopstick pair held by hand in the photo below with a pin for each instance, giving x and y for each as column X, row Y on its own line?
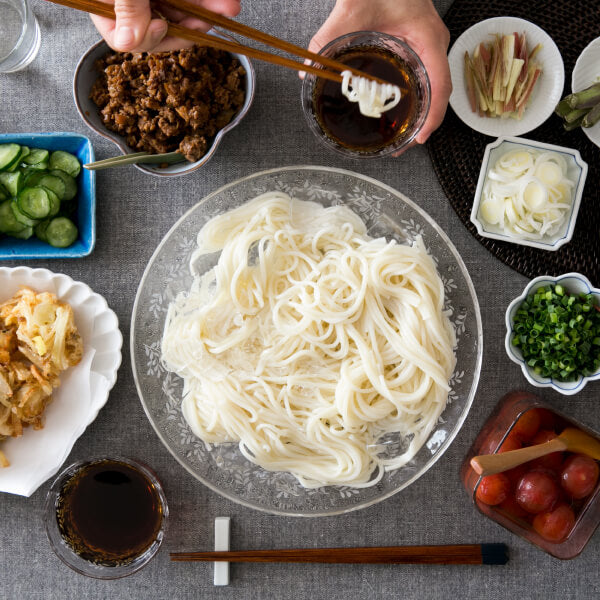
column 332, row 71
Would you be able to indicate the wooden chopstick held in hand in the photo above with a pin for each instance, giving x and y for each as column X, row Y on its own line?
column 212, row 18
column 204, row 39
column 462, row 554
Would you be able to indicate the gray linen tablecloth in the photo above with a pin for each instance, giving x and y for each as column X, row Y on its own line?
column 134, row 211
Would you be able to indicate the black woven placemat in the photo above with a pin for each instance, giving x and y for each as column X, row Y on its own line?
column 457, row 151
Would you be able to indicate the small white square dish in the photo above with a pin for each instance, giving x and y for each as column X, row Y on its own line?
column 564, row 162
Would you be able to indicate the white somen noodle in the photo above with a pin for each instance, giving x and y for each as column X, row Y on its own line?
column 310, row 340
column 373, row 98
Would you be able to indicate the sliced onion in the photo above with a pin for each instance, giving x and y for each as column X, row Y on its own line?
column 549, row 173
column 527, row 193
column 535, row 195
column 492, row 210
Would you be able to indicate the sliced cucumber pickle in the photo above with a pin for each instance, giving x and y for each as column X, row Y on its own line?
column 38, row 194
column 9, row 153
column 61, row 232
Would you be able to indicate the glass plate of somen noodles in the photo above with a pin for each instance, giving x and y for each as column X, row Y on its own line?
column 306, row 341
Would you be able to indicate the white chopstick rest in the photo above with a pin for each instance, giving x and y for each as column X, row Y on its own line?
column 221, row 543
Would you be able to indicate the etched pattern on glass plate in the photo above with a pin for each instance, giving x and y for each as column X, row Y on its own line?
column 223, row 468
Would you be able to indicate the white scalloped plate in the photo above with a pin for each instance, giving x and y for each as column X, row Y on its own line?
column 586, row 72
column 545, row 95
column 37, row 455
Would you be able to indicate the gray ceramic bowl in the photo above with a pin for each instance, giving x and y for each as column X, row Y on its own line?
column 85, row 75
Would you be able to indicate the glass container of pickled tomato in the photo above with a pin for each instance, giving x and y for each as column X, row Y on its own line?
column 553, row 501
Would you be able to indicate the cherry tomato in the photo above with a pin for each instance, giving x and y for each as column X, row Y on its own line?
column 493, row 489
column 547, row 419
column 556, row 524
column 512, row 442
column 514, row 475
column 579, row 476
column 552, row 462
column 527, row 425
column 512, row 508
column 536, row 492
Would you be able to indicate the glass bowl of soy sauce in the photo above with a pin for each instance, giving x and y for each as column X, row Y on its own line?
column 339, row 124
column 106, row 517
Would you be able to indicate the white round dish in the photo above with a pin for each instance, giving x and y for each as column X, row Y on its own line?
column 586, row 72
column 577, row 172
column 38, row 455
column 574, row 283
column 547, row 91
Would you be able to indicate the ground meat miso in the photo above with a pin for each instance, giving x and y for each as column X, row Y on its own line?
column 169, row 100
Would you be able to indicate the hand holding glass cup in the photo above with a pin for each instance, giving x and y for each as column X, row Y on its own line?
column 340, row 125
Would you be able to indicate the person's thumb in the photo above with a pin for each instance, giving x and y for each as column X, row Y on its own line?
column 133, row 18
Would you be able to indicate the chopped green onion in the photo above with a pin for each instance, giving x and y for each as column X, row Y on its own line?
column 558, row 333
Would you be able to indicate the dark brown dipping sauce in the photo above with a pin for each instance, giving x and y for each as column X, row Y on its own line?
column 109, row 513
column 341, row 119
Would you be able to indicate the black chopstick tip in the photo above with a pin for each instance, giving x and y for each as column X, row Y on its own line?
column 494, row 554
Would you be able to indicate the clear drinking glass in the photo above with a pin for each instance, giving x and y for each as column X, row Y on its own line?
column 19, row 35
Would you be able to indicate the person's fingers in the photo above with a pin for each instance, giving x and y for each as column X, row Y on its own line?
column 105, row 27
column 152, row 40
column 193, row 23
column 334, row 26
column 436, row 65
column 155, row 33
column 228, row 8
column 133, row 19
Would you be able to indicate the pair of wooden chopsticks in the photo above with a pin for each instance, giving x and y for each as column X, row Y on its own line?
column 332, row 71
column 460, row 554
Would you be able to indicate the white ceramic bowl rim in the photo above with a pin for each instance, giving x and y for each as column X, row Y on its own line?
column 585, row 71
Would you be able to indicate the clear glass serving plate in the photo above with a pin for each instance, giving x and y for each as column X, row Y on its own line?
column 223, row 468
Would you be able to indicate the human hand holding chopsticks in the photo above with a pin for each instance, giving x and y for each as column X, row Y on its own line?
column 136, row 31
column 417, row 22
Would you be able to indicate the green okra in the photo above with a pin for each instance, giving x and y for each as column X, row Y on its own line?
column 592, row 117
column 586, row 98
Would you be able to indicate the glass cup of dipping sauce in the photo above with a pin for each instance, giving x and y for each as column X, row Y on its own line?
column 19, row 35
column 106, row 517
column 340, row 125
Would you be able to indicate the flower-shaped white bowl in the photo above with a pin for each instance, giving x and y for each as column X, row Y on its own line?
column 86, row 75
column 577, row 172
column 574, row 283
column 586, row 72
column 545, row 95
column 83, row 390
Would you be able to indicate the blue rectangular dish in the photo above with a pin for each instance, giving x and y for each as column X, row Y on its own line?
column 79, row 145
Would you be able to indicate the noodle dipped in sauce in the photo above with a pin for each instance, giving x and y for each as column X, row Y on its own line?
column 373, row 98
column 343, row 121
